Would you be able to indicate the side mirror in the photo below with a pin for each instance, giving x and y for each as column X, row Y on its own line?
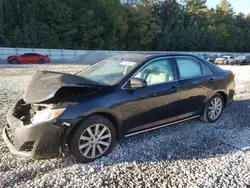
column 137, row 83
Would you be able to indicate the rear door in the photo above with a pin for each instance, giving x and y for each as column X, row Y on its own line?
column 196, row 84
column 155, row 104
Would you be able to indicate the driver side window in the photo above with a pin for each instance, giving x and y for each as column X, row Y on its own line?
column 157, row 72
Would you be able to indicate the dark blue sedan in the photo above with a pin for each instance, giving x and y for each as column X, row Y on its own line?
column 118, row 97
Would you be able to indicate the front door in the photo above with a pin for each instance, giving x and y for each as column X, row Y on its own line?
column 155, row 104
column 32, row 58
column 26, row 58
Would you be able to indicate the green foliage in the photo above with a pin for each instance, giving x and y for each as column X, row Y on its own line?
column 248, row 16
column 226, row 6
column 170, row 25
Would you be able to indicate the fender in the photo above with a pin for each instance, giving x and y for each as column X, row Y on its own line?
column 225, row 95
column 109, row 114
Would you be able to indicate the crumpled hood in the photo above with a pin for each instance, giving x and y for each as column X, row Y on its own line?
column 45, row 84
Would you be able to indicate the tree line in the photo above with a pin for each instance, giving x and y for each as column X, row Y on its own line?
column 162, row 25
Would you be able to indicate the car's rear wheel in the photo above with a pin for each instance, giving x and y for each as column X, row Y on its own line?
column 41, row 61
column 92, row 139
column 214, row 109
column 14, row 61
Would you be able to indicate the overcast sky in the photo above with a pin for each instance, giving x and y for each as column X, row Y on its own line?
column 238, row 5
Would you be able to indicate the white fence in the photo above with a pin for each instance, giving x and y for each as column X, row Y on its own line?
column 63, row 54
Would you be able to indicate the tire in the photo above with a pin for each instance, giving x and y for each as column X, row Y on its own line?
column 80, row 137
column 41, row 61
column 206, row 116
column 14, row 61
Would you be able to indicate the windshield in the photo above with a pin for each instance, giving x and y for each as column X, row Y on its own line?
column 109, row 71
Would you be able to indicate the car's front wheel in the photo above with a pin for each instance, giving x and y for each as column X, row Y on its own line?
column 93, row 138
column 14, row 61
column 214, row 109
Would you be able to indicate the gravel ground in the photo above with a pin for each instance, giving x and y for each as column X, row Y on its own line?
column 190, row 154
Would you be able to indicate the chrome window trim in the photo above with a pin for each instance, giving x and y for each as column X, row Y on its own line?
column 192, row 77
column 162, row 83
column 170, row 57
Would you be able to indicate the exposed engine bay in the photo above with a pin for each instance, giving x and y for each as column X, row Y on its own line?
column 26, row 112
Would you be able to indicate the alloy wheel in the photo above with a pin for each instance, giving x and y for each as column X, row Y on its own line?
column 215, row 108
column 14, row 61
column 94, row 141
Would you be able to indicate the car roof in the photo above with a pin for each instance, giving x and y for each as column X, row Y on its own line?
column 141, row 57
column 31, row 53
column 174, row 54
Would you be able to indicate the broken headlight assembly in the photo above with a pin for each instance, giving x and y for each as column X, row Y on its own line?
column 46, row 115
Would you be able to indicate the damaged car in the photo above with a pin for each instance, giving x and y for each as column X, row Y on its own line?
column 120, row 96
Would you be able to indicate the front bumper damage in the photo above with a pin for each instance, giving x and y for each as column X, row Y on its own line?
column 33, row 140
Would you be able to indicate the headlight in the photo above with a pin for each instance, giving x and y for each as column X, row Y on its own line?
column 46, row 115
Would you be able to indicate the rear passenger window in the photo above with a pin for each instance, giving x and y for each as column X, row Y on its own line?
column 188, row 67
column 206, row 70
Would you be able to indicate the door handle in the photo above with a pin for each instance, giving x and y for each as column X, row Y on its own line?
column 211, row 80
column 173, row 89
